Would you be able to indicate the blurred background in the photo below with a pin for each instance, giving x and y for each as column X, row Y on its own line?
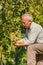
column 11, row 28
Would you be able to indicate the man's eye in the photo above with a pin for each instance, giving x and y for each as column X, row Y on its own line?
column 23, row 22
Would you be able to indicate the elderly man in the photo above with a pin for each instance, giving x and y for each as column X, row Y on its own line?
column 33, row 39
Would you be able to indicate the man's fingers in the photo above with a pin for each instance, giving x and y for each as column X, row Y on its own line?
column 14, row 42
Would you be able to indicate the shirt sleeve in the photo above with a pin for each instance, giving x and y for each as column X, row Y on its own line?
column 33, row 34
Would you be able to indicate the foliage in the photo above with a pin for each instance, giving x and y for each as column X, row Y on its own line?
column 12, row 28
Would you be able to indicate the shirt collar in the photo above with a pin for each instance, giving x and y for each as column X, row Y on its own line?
column 32, row 25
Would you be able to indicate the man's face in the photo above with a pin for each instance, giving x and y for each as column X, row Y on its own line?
column 26, row 23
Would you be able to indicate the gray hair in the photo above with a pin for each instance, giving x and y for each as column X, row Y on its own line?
column 27, row 16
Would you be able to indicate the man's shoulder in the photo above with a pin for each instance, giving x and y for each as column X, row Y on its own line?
column 36, row 25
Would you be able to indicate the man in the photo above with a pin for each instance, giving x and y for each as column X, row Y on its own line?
column 33, row 39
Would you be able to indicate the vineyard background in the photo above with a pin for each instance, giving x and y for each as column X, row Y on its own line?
column 12, row 28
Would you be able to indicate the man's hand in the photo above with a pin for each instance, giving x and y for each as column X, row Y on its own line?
column 15, row 43
column 19, row 43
